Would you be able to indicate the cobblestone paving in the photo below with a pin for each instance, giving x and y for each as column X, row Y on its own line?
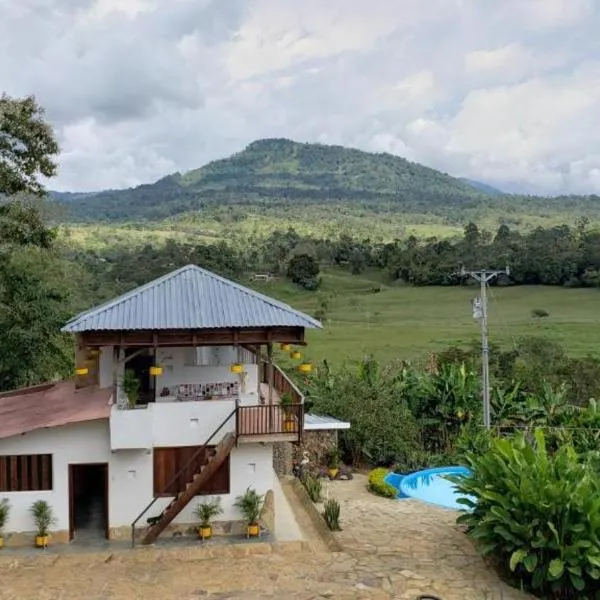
column 392, row 550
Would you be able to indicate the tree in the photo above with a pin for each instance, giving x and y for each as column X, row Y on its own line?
column 27, row 146
column 34, row 296
column 303, row 270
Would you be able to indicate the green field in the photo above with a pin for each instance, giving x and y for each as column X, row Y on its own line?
column 408, row 322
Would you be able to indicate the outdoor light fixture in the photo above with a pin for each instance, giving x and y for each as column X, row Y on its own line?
column 295, row 355
column 156, row 370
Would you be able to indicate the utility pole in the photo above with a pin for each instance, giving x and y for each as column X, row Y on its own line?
column 480, row 312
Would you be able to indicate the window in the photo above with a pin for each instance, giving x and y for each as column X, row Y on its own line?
column 169, row 461
column 25, row 473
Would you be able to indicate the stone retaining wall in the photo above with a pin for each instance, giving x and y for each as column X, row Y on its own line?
column 143, row 554
column 316, row 443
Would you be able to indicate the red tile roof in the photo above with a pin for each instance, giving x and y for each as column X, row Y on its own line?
column 51, row 405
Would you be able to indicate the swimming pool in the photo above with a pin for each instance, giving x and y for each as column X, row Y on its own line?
column 430, row 486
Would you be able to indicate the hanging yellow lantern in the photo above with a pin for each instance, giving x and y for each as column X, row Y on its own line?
column 82, row 371
column 156, row 370
column 286, row 347
column 305, row 368
column 295, row 355
column 236, row 368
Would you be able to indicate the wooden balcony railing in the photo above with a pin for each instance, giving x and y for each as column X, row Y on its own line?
column 281, row 383
column 270, row 419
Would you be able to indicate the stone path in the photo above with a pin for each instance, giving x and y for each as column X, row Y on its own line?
column 392, row 550
column 416, row 546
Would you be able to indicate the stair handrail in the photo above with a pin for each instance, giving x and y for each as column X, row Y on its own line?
column 176, row 476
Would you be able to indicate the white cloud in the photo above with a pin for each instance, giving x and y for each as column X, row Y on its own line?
column 505, row 91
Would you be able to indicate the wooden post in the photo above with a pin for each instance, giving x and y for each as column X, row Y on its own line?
column 270, row 372
column 270, row 378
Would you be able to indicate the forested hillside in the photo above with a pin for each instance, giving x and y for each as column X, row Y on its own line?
column 278, row 172
column 280, row 181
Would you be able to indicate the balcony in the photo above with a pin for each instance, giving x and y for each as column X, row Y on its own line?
column 270, row 423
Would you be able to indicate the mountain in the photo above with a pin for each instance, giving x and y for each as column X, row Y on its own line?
column 482, row 187
column 280, row 172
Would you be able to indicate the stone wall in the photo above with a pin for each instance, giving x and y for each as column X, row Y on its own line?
column 317, row 444
column 283, row 454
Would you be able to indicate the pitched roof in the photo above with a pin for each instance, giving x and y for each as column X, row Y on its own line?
column 51, row 405
column 189, row 298
column 314, row 422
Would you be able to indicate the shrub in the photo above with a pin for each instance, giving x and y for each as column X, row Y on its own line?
column 313, row 487
column 331, row 514
column 4, row 512
column 538, row 513
column 378, row 486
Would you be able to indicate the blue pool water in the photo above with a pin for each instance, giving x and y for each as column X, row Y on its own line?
column 430, row 486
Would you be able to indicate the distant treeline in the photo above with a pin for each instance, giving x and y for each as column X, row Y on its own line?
column 557, row 256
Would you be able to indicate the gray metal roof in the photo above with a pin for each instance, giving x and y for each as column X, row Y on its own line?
column 189, row 298
column 318, row 422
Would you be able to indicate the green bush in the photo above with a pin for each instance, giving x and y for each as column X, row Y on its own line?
column 378, row 486
column 539, row 514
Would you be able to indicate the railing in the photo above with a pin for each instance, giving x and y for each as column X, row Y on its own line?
column 270, row 419
column 281, row 382
column 178, row 474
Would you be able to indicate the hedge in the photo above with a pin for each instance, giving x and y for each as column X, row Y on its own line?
column 378, row 486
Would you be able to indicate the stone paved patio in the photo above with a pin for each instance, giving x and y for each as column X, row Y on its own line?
column 392, row 549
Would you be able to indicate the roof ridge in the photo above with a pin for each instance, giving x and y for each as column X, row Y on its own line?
column 191, row 267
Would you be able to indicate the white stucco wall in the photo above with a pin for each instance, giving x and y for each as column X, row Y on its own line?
column 130, row 475
column 82, row 443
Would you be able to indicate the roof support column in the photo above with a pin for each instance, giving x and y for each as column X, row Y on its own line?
column 270, row 371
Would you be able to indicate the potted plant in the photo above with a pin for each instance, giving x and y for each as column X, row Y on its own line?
column 250, row 504
column 205, row 512
column 44, row 519
column 286, row 402
column 333, row 463
column 131, row 387
column 4, row 510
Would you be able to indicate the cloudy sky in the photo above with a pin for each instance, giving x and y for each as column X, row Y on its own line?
column 504, row 91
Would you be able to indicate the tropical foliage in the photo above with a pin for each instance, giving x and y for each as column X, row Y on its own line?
column 539, row 513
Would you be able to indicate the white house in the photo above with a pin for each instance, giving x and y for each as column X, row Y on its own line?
column 204, row 423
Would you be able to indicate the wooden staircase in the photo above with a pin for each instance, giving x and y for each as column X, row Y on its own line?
column 159, row 524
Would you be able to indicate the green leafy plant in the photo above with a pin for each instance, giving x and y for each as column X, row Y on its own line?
column 205, row 512
column 333, row 459
column 331, row 514
column 43, row 516
column 538, row 513
column 313, row 487
column 377, row 483
column 131, row 386
column 250, row 504
column 4, row 512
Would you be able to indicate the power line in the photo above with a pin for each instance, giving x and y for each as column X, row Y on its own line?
column 484, row 276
